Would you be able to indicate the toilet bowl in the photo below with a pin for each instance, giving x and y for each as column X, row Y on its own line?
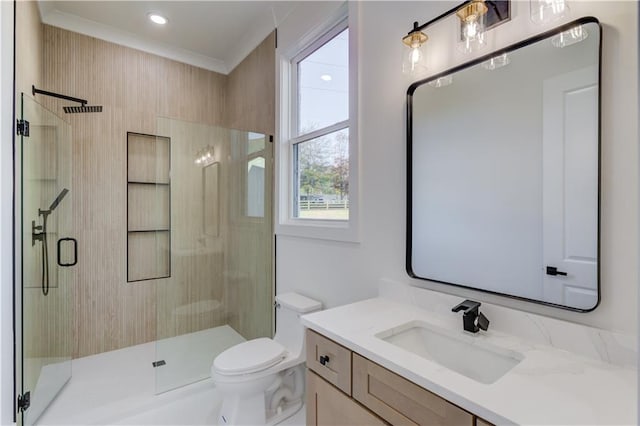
column 262, row 380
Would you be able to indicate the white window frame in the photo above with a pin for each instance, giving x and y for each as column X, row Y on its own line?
column 287, row 134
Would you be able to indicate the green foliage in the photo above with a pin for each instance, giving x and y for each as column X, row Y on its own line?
column 323, row 165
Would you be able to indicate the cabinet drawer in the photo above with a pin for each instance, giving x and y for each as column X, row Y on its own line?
column 329, row 360
column 400, row 401
column 326, row 405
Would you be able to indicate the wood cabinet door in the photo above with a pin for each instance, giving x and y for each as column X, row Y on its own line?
column 399, row 401
column 326, row 405
column 329, row 360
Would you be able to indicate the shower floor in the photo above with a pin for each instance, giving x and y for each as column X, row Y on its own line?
column 119, row 387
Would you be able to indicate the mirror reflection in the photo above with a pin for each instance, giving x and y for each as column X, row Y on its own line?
column 211, row 201
column 504, row 178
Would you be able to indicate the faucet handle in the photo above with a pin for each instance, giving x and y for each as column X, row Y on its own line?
column 472, row 319
column 467, row 306
column 483, row 322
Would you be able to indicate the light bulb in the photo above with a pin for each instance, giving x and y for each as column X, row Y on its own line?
column 546, row 11
column 567, row 38
column 470, row 29
column 471, row 26
column 414, row 60
column 441, row 82
column 578, row 32
column 496, row 62
column 415, row 57
column 157, row 18
column 557, row 6
column 472, row 36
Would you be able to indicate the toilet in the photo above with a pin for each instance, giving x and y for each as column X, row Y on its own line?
column 262, row 380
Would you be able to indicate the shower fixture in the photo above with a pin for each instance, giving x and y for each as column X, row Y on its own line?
column 69, row 109
column 39, row 233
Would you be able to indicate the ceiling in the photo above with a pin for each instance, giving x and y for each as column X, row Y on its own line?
column 215, row 35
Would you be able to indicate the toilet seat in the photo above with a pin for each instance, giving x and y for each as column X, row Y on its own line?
column 249, row 357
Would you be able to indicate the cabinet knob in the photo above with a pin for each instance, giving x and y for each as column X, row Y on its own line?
column 324, row 359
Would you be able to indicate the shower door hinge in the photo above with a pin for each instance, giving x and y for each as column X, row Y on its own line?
column 24, row 401
column 23, row 128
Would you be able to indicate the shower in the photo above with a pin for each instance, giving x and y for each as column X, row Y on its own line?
column 69, row 109
column 39, row 233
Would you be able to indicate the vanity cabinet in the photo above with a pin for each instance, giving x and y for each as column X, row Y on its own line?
column 326, row 405
column 329, row 360
column 343, row 387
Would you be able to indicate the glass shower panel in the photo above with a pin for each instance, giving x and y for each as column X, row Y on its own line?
column 220, row 290
column 48, row 254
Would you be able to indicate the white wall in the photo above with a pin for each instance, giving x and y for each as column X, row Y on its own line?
column 6, row 183
column 338, row 273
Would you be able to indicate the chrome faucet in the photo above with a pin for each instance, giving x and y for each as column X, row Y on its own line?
column 472, row 319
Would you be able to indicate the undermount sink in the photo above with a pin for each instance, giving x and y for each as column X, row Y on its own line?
column 477, row 360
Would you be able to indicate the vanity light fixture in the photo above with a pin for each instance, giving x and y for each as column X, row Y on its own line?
column 414, row 60
column 474, row 18
column 546, row 11
column 157, row 18
column 472, row 25
column 496, row 62
column 204, row 157
column 441, row 82
column 572, row 36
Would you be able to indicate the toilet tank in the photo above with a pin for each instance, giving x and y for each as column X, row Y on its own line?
column 289, row 329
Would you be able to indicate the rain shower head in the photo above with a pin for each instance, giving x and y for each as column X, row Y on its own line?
column 69, row 109
column 58, row 199
column 82, row 108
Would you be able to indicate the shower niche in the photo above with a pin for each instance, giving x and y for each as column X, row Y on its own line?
column 148, row 207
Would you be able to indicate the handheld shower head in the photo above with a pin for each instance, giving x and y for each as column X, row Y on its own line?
column 58, row 199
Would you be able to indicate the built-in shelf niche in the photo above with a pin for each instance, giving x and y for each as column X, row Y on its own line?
column 148, row 207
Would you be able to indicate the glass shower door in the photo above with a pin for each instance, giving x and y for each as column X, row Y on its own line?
column 220, row 291
column 47, row 256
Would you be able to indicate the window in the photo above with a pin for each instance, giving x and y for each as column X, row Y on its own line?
column 320, row 128
column 317, row 134
column 256, row 166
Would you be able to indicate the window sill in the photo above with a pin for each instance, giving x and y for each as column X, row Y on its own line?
column 331, row 230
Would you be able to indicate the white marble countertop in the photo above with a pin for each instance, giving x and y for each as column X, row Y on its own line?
column 549, row 386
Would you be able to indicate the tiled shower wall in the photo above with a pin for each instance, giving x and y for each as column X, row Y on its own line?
column 134, row 89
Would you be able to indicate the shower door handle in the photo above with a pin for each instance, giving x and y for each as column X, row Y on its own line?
column 75, row 252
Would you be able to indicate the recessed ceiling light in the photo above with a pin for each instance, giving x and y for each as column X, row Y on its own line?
column 325, row 77
column 157, row 19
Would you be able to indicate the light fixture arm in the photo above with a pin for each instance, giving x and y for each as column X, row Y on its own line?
column 417, row 27
column 453, row 10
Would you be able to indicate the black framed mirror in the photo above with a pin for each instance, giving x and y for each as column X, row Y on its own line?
column 503, row 163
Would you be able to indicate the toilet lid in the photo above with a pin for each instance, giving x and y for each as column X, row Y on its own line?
column 249, row 357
